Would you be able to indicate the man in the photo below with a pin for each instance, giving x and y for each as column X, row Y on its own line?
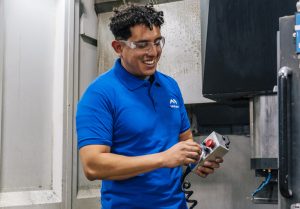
column 133, row 130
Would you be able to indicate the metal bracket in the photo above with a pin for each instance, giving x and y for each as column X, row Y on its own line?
column 89, row 40
column 85, row 37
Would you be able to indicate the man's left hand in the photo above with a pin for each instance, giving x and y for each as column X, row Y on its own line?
column 208, row 167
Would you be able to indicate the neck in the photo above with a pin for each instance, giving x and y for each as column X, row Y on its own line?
column 138, row 76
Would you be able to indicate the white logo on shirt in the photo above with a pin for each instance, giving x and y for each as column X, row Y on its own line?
column 173, row 103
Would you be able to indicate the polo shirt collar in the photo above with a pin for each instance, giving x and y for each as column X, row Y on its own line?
column 130, row 81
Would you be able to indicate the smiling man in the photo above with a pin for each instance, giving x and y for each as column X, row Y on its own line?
column 132, row 126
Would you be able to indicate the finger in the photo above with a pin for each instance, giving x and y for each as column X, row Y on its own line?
column 193, row 155
column 205, row 170
column 192, row 143
column 219, row 160
column 192, row 148
column 199, row 173
column 203, row 175
column 211, row 164
column 189, row 161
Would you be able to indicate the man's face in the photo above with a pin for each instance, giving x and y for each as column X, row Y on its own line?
column 138, row 61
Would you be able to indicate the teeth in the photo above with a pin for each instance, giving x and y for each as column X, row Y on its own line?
column 150, row 62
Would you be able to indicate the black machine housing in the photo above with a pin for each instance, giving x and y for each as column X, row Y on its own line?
column 241, row 53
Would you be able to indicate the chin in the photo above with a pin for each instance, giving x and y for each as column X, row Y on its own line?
column 149, row 72
column 150, row 69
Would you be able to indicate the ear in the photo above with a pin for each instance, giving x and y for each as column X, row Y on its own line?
column 117, row 46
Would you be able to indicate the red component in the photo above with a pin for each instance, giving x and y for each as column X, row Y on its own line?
column 210, row 143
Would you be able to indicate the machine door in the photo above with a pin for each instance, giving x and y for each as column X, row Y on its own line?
column 33, row 147
column 289, row 116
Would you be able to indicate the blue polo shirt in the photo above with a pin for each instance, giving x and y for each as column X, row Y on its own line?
column 135, row 117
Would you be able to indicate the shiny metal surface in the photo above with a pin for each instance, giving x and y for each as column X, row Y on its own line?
column 263, row 127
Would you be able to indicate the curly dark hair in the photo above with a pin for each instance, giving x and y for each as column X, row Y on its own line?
column 129, row 15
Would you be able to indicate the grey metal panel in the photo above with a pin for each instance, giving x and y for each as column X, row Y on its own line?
column 69, row 66
column 27, row 93
column 181, row 57
column 1, row 75
column 50, row 206
column 75, row 87
column 85, row 194
column 264, row 122
column 29, row 198
column 34, row 144
column 106, row 54
column 289, row 59
column 87, row 72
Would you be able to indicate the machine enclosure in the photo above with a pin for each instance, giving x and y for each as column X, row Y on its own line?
column 289, row 59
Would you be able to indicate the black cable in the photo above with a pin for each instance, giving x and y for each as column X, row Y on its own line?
column 185, row 185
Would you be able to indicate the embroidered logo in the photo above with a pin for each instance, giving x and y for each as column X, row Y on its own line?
column 174, row 103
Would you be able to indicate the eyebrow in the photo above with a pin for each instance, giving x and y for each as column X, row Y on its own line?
column 141, row 41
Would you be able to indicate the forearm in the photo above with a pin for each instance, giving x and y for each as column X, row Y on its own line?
column 117, row 167
column 99, row 163
column 186, row 136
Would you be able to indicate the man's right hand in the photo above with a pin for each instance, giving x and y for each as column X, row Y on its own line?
column 182, row 153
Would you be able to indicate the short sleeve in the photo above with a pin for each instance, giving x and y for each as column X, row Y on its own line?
column 185, row 123
column 94, row 120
